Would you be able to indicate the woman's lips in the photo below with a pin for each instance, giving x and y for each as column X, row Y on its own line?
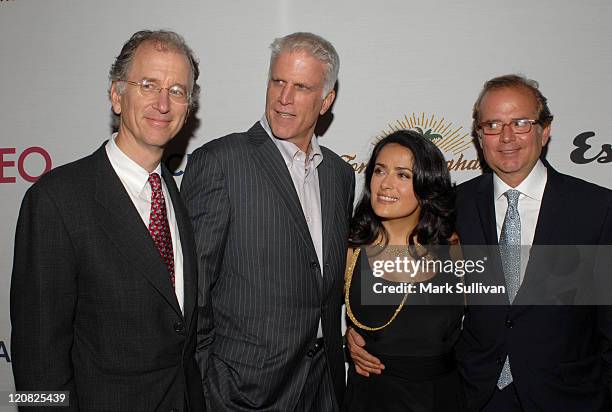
column 386, row 199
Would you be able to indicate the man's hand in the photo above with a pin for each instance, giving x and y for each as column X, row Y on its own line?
column 364, row 362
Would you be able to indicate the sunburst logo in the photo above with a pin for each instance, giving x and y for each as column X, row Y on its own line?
column 452, row 140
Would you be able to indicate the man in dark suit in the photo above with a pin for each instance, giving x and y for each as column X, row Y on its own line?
column 517, row 357
column 270, row 209
column 103, row 291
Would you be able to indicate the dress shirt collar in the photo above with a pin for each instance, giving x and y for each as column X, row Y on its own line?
column 532, row 187
column 290, row 151
column 134, row 176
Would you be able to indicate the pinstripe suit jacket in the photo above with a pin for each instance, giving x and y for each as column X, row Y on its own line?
column 262, row 292
column 93, row 311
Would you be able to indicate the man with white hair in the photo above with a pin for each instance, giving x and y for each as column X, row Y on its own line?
column 270, row 209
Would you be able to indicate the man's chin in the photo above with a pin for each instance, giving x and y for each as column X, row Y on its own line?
column 280, row 133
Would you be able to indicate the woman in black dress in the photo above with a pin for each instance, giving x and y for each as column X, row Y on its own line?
column 406, row 211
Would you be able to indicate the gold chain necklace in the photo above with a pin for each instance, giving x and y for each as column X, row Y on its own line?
column 349, row 277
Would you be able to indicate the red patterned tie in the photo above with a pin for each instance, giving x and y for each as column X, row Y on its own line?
column 158, row 224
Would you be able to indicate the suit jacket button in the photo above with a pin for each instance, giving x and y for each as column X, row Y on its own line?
column 509, row 323
column 314, row 265
column 499, row 360
column 179, row 328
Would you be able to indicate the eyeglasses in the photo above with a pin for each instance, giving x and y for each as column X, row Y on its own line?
column 148, row 88
column 517, row 126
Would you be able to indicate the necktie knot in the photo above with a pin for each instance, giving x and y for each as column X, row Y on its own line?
column 155, row 182
column 513, row 196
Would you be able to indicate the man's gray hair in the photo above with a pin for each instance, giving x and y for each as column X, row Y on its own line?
column 163, row 40
column 317, row 47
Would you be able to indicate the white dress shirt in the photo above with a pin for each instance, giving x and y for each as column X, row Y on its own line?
column 135, row 180
column 530, row 200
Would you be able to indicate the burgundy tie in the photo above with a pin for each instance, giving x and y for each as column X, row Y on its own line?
column 158, row 224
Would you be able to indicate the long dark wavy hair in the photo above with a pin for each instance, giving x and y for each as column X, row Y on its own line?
column 432, row 188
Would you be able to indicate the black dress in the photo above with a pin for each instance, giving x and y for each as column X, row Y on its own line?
column 420, row 372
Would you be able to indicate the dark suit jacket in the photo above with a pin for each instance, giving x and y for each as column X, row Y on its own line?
column 261, row 290
column 559, row 355
column 92, row 307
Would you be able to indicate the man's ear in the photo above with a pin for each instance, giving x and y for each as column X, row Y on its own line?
column 115, row 98
column 327, row 102
column 546, row 134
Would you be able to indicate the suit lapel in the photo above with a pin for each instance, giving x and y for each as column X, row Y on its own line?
column 122, row 223
column 187, row 246
column 329, row 210
column 549, row 217
column 271, row 162
column 485, row 203
column 486, row 209
column 550, row 212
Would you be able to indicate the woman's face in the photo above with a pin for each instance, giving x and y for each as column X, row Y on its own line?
column 393, row 196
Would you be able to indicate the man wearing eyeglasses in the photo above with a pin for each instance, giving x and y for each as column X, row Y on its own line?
column 515, row 357
column 103, row 291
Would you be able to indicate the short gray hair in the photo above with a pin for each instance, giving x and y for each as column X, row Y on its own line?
column 317, row 47
column 164, row 40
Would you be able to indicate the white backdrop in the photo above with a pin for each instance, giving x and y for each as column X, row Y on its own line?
column 402, row 63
